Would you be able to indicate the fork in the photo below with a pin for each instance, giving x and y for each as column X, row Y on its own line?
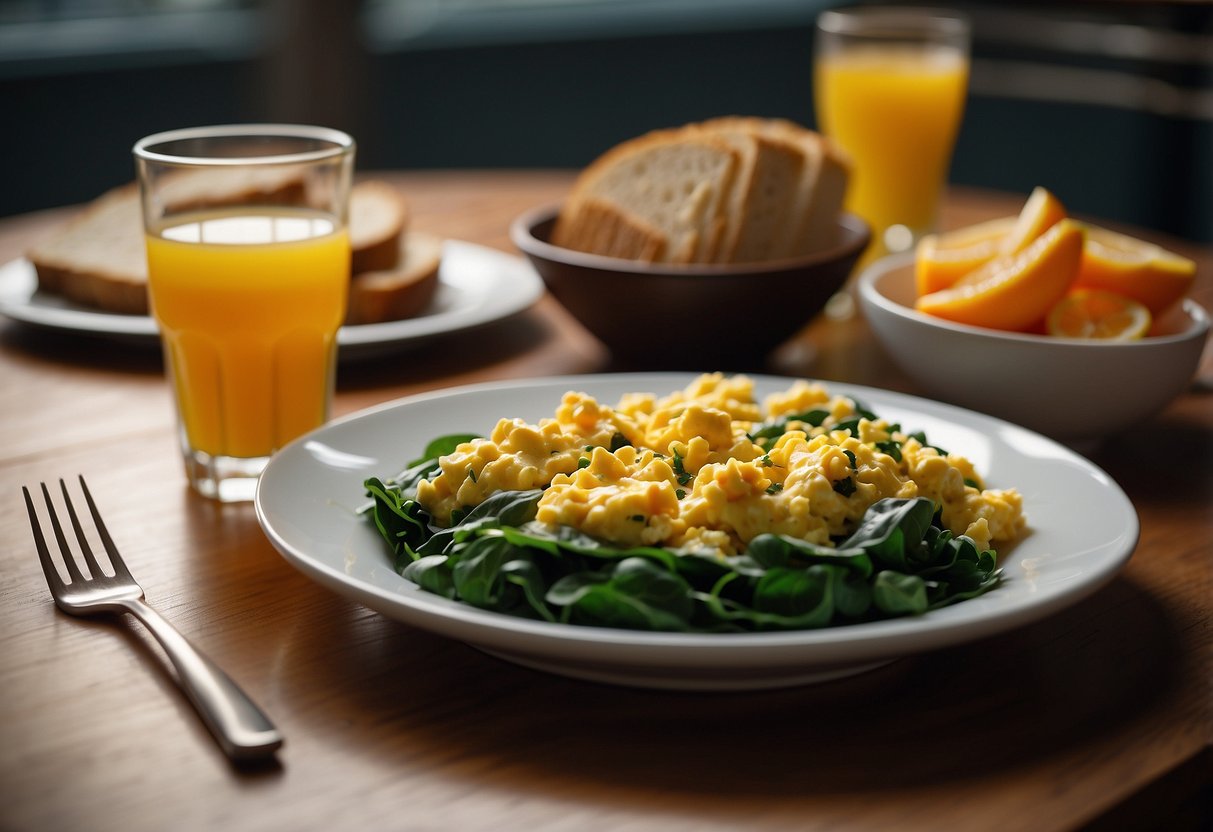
column 243, row 731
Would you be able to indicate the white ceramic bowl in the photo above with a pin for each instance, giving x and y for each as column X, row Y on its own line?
column 1068, row 388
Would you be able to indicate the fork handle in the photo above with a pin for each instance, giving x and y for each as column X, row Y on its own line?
column 241, row 727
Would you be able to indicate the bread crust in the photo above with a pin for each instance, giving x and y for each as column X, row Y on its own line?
column 732, row 189
column 98, row 257
column 379, row 215
column 762, row 200
column 402, row 292
column 636, row 175
column 823, row 184
column 601, row 227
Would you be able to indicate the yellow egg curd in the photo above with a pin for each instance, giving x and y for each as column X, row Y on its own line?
column 686, row 471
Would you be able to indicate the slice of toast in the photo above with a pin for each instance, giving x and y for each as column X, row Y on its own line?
column 379, row 215
column 195, row 190
column 677, row 181
column 98, row 258
column 601, row 227
column 822, row 189
column 400, row 292
column 761, row 202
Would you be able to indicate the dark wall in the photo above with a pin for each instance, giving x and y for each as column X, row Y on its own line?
column 66, row 137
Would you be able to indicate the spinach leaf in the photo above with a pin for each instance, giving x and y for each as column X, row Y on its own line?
column 404, row 484
column 891, row 447
column 777, row 550
column 478, row 576
column 784, row 599
column 896, row 593
column 558, row 539
column 505, row 508
column 852, row 593
column 527, row 576
column 433, row 574
column 402, row 522
column 768, row 431
column 899, row 561
column 922, row 440
column 889, row 527
column 634, row 593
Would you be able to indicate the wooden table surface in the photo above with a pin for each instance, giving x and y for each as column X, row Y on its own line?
column 1098, row 715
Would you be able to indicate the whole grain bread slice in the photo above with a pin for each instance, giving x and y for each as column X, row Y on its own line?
column 195, row 190
column 761, row 203
column 98, row 258
column 601, row 227
column 400, row 292
column 822, row 189
column 677, row 181
column 379, row 216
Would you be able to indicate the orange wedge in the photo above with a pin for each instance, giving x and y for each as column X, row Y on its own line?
column 1150, row 275
column 1040, row 213
column 1014, row 291
column 942, row 259
column 1090, row 313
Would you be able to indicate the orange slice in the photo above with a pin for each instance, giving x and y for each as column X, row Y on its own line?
column 942, row 259
column 1013, row 291
column 1090, row 313
column 1150, row 275
column 1040, row 213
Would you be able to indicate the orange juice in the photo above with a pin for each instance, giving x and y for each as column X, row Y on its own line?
column 248, row 306
column 896, row 109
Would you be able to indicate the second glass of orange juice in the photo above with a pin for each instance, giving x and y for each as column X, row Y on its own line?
column 248, row 273
column 889, row 88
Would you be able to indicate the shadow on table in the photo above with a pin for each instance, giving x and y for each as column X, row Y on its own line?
column 950, row 715
column 525, row 345
column 83, row 350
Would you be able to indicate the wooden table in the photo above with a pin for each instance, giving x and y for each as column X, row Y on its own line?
column 1099, row 715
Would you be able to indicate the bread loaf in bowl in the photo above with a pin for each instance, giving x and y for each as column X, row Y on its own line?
column 729, row 190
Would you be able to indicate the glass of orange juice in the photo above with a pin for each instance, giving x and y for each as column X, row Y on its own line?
column 248, row 272
column 889, row 86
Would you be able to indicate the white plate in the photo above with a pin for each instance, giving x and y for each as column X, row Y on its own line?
column 477, row 285
column 1082, row 530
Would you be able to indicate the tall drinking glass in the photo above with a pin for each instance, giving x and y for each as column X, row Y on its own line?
column 889, row 88
column 248, row 272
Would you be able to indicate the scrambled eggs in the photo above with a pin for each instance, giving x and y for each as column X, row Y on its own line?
column 688, row 472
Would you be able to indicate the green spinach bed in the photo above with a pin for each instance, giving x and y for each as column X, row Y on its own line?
column 899, row 561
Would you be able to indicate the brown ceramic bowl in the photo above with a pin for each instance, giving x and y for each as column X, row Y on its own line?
column 719, row 317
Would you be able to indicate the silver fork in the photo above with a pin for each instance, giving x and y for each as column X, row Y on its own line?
column 238, row 724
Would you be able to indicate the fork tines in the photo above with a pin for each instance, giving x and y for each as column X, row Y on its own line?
column 69, row 562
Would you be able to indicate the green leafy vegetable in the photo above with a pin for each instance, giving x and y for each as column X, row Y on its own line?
column 895, row 563
column 766, row 432
column 844, row 486
column 681, row 473
column 898, row 561
column 618, row 440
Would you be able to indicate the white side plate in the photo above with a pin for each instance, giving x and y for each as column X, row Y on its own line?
column 477, row 286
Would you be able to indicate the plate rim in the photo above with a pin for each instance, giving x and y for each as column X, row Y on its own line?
column 863, row 642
